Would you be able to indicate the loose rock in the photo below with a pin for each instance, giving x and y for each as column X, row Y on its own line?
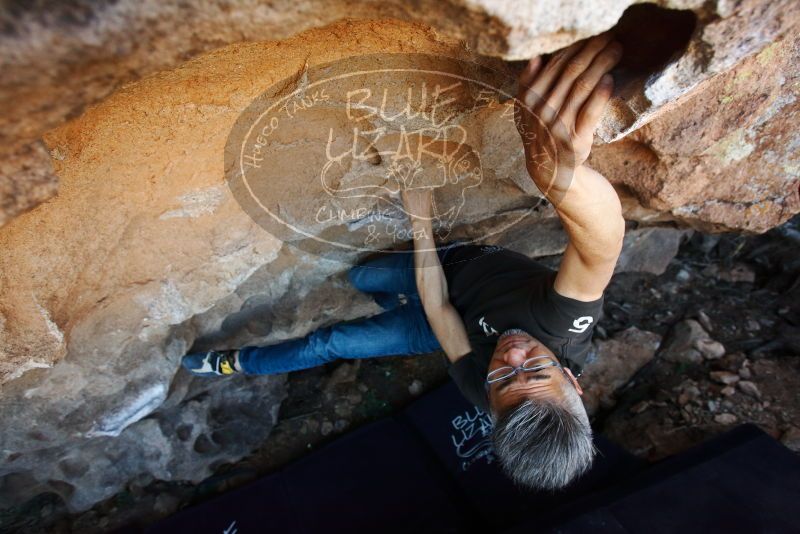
column 710, row 349
column 749, row 388
column 680, row 343
column 724, row 377
column 725, row 419
column 613, row 363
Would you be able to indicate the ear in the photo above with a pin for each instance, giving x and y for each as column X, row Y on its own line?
column 574, row 381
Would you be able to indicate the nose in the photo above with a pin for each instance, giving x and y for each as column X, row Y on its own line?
column 515, row 356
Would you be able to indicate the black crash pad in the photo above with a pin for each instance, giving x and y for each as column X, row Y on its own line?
column 432, row 469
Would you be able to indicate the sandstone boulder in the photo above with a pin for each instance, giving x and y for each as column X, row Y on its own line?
column 58, row 61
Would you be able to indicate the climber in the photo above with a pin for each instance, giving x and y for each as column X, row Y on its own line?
column 513, row 330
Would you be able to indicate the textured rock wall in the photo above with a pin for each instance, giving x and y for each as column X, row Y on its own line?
column 145, row 251
column 59, row 57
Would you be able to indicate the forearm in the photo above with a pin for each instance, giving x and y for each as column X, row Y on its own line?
column 431, row 283
column 443, row 318
column 591, row 214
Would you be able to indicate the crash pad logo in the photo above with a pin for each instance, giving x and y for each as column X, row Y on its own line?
column 321, row 158
column 471, row 435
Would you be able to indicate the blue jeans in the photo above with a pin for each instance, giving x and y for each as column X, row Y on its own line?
column 402, row 329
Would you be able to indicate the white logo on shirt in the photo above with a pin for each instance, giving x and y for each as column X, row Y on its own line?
column 488, row 330
column 581, row 324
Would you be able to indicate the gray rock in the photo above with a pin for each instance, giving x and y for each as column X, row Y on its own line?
column 724, row 377
column 649, row 250
column 613, row 363
column 745, row 373
column 710, row 349
column 680, row 343
column 705, row 321
column 749, row 388
column 415, row 388
column 725, row 419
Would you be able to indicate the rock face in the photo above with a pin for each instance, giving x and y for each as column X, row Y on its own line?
column 156, row 241
column 59, row 57
column 115, row 279
column 727, row 157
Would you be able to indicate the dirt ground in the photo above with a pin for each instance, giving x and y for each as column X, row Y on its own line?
column 743, row 289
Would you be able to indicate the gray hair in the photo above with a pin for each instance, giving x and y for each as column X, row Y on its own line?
column 545, row 445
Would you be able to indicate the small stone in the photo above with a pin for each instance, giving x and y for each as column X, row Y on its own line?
column 752, row 326
column 354, row 398
column 728, row 391
column 683, row 276
column 766, row 404
column 415, row 388
column 725, row 418
column 712, row 406
column 326, row 428
column 749, row 388
column 704, row 320
column 679, row 346
column 710, row 349
column 684, row 398
column 340, row 425
column 745, row 373
column 724, row 377
column 640, row 406
column 363, row 388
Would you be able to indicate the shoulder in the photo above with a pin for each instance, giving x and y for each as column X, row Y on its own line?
column 563, row 316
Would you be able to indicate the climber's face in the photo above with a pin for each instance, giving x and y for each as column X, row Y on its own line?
column 544, row 382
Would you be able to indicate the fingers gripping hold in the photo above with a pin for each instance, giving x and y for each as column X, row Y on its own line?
column 583, row 86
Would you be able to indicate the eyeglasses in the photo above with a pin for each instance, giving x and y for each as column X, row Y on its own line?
column 528, row 366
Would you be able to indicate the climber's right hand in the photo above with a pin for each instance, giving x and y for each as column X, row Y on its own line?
column 558, row 108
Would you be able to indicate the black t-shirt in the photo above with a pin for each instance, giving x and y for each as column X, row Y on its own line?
column 495, row 290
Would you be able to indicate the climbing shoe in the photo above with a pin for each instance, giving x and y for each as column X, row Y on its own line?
column 211, row 363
